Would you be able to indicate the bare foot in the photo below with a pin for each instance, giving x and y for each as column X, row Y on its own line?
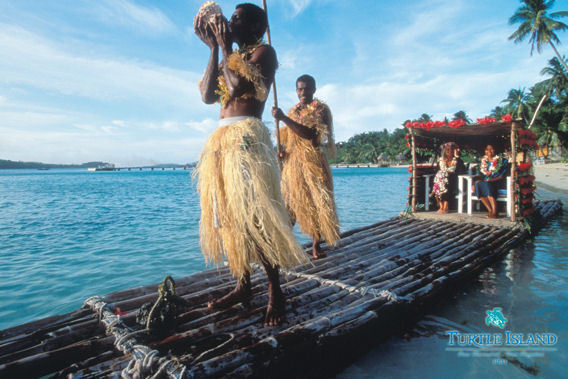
column 276, row 309
column 317, row 252
column 444, row 212
column 241, row 294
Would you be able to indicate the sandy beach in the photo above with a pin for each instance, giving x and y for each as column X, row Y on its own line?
column 552, row 177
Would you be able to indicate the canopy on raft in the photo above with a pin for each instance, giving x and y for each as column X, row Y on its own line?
column 473, row 136
column 504, row 136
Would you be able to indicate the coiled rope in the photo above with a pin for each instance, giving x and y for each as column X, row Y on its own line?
column 145, row 362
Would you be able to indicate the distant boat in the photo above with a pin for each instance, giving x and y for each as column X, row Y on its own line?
column 103, row 167
column 43, row 169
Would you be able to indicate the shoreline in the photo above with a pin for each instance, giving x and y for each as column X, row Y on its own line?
column 552, row 177
column 367, row 165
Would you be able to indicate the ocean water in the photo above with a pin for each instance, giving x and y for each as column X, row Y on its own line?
column 66, row 235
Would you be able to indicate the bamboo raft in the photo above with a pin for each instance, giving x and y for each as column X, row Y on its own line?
column 374, row 283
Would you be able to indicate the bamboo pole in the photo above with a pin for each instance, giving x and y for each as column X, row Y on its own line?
column 43, row 325
column 513, row 186
column 276, row 122
column 414, row 179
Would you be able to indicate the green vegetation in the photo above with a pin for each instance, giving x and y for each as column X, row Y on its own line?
column 6, row 164
column 373, row 147
column 536, row 22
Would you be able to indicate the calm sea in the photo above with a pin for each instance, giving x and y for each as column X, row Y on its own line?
column 66, row 235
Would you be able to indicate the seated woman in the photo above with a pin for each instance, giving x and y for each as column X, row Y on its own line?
column 491, row 171
column 449, row 166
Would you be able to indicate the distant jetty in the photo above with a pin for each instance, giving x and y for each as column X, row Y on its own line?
column 366, row 165
column 143, row 168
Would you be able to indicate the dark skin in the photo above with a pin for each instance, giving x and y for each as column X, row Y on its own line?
column 220, row 35
column 217, row 37
column 489, row 202
column 305, row 94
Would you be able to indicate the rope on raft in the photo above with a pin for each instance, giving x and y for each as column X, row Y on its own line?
column 362, row 290
column 145, row 361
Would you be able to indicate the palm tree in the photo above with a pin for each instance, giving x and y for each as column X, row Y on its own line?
column 516, row 103
column 497, row 112
column 424, row 118
column 557, row 83
column 535, row 22
column 550, row 126
column 461, row 115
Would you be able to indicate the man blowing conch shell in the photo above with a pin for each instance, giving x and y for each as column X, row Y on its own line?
column 243, row 217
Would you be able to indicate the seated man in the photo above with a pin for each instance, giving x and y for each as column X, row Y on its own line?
column 492, row 170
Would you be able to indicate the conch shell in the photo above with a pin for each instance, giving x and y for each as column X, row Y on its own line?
column 208, row 11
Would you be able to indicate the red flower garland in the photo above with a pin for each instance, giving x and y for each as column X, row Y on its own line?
column 526, row 191
column 525, row 166
column 456, row 123
column 486, row 120
column 452, row 124
column 528, row 199
column 526, row 179
column 528, row 212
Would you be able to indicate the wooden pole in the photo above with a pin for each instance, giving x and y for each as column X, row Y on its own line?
column 273, row 89
column 513, row 169
column 414, row 180
column 537, row 110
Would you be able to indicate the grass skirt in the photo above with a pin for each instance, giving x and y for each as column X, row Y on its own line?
column 243, row 217
column 307, row 188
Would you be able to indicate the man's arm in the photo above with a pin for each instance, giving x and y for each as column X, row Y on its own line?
column 208, row 83
column 262, row 63
column 301, row 130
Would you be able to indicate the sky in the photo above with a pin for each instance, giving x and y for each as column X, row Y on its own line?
column 116, row 80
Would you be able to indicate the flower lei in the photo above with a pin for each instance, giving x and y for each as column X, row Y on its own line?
column 300, row 112
column 487, row 169
column 237, row 62
column 311, row 115
column 444, row 166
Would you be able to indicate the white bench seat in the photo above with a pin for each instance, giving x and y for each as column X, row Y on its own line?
column 467, row 194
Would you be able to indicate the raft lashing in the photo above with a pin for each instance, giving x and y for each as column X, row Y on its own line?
column 375, row 282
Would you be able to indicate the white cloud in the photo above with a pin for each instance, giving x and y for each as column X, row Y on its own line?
column 428, row 19
column 205, row 126
column 134, row 16
column 90, row 142
column 27, row 59
column 32, row 119
column 386, row 104
column 299, row 5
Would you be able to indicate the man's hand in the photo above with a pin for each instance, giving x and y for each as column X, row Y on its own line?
column 204, row 32
column 222, row 34
column 277, row 113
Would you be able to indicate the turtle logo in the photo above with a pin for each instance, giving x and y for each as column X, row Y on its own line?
column 495, row 318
